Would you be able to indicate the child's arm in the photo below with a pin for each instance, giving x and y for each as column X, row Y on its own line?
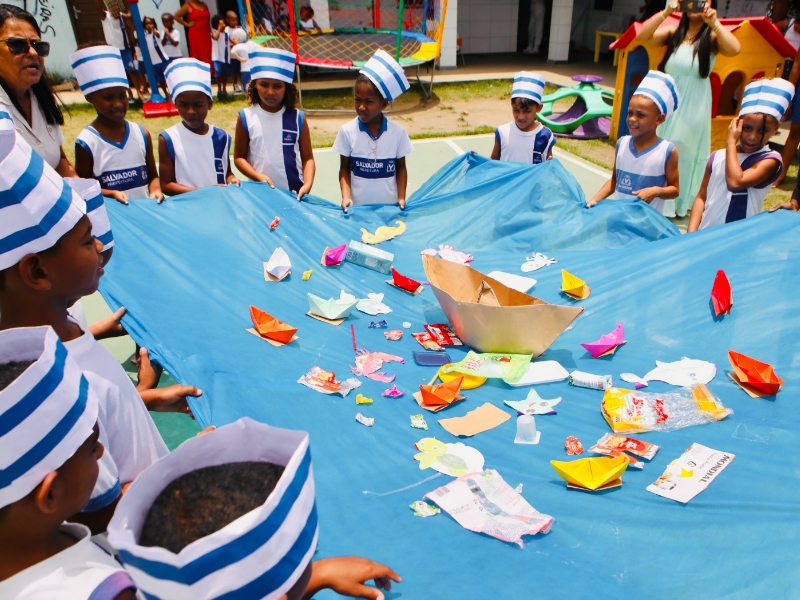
column 669, row 191
column 699, row 202
column 344, row 182
column 307, row 158
column 496, row 150
column 346, row 576
column 792, row 204
column 606, row 189
column 240, row 146
column 738, row 180
column 154, row 185
column 166, row 167
column 84, row 168
column 402, row 181
column 230, row 178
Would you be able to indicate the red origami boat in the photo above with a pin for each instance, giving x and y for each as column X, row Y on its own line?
column 405, row 283
column 752, row 373
column 721, row 294
column 271, row 328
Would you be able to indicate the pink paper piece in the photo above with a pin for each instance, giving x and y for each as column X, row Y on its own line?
column 368, row 364
column 606, row 343
column 393, row 392
column 334, row 256
column 449, row 253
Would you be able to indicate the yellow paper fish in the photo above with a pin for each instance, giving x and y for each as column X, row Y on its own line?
column 382, row 233
column 574, row 287
column 591, row 473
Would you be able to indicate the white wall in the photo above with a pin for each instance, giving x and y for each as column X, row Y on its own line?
column 449, row 36
column 488, row 25
column 560, row 20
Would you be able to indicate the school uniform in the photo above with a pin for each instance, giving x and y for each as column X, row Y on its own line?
column 119, row 166
column 242, row 52
column 200, row 160
column 158, row 59
column 221, row 55
column 274, row 147
column 530, row 147
column 724, row 206
column 638, row 170
column 373, row 160
column 170, row 51
column 116, row 34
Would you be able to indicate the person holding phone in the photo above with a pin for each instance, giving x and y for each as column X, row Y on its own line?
column 692, row 46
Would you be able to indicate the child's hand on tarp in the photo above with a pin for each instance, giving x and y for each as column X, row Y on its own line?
column 346, row 575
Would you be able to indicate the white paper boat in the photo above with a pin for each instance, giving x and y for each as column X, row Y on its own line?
column 278, row 266
column 330, row 309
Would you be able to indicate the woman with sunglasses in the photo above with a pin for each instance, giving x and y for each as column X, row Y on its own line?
column 24, row 89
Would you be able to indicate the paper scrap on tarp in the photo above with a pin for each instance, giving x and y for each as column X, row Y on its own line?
column 541, row 371
column 371, row 305
column 383, row 233
column 449, row 254
column 361, row 399
column 535, row 261
column 476, row 421
column 393, row 392
column 683, row 373
column 325, row 382
column 534, row 404
column 423, row 509
column 368, row 421
column 450, row 459
column 485, row 503
column 369, row 364
column 307, row 274
column 691, row 473
column 418, row 422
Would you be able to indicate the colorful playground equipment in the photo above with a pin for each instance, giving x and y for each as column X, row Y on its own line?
column 764, row 52
column 344, row 34
column 588, row 118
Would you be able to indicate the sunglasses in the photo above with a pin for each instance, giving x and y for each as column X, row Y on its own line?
column 18, row 45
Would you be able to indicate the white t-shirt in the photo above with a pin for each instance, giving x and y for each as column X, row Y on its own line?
column 45, row 139
column 529, row 147
column 373, row 161
column 200, row 160
column 230, row 30
column 221, row 48
column 274, row 148
column 112, row 31
column 169, row 50
column 157, row 54
column 791, row 35
column 133, row 439
column 83, row 571
column 638, row 170
column 240, row 52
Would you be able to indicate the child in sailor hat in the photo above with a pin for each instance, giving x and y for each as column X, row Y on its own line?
column 52, row 458
column 739, row 178
column 646, row 166
column 273, row 143
column 192, row 154
column 372, row 169
column 233, row 514
column 524, row 140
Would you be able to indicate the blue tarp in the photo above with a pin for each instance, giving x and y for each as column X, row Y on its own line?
column 188, row 270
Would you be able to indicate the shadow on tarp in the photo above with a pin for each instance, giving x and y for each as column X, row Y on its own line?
column 188, row 270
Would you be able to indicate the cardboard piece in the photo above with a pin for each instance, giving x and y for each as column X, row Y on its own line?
column 721, row 294
column 574, row 287
column 273, row 342
column 271, row 328
column 607, row 344
column 608, row 486
column 331, row 309
column 518, row 323
column 332, row 257
column 383, row 233
column 404, row 283
column 476, row 421
column 756, row 378
column 278, row 266
column 334, row 322
column 367, row 256
column 591, row 473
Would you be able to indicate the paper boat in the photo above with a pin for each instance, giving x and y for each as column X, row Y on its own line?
column 405, row 283
column 591, row 473
column 574, row 287
column 755, row 377
column 271, row 328
column 489, row 316
column 330, row 309
column 278, row 266
column 607, row 344
column 334, row 256
column 437, row 397
column 721, row 294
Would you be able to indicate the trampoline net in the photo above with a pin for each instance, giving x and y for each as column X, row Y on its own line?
column 346, row 33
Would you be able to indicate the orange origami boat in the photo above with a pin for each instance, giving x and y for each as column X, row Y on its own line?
column 441, row 395
column 271, row 328
column 405, row 283
column 755, row 377
column 721, row 294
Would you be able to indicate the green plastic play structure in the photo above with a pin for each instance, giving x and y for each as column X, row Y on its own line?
column 590, row 115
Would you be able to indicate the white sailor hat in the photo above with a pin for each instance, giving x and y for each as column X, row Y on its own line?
column 262, row 554
column 272, row 63
column 528, row 85
column 662, row 90
column 386, row 74
column 90, row 191
column 46, row 413
column 767, row 96
column 36, row 206
column 188, row 75
column 97, row 68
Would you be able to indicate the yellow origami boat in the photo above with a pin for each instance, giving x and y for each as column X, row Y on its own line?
column 591, row 473
column 574, row 287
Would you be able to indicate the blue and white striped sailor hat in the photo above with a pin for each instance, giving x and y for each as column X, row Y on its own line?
column 188, row 75
column 662, row 90
column 386, row 74
column 767, row 96
column 528, row 85
column 262, row 554
column 90, row 191
column 271, row 63
column 97, row 68
column 45, row 414
column 36, row 206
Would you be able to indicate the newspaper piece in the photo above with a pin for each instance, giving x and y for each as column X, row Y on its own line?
column 691, row 473
column 485, row 503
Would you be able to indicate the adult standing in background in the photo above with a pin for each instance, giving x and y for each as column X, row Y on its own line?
column 24, row 89
column 535, row 26
column 692, row 47
column 195, row 16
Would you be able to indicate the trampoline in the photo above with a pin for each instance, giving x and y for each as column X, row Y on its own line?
column 346, row 33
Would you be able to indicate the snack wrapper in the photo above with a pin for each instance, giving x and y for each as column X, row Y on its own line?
column 443, row 335
column 427, row 341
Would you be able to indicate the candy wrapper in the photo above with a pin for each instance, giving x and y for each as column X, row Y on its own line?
column 629, row 411
column 485, row 503
column 418, row 422
column 368, row 421
column 423, row 509
column 443, row 335
column 427, row 341
column 275, row 222
column 573, row 445
column 613, row 445
column 393, row 334
column 509, row 367
column 325, row 382
column 378, row 324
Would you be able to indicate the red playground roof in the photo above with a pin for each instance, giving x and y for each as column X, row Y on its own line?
column 762, row 25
